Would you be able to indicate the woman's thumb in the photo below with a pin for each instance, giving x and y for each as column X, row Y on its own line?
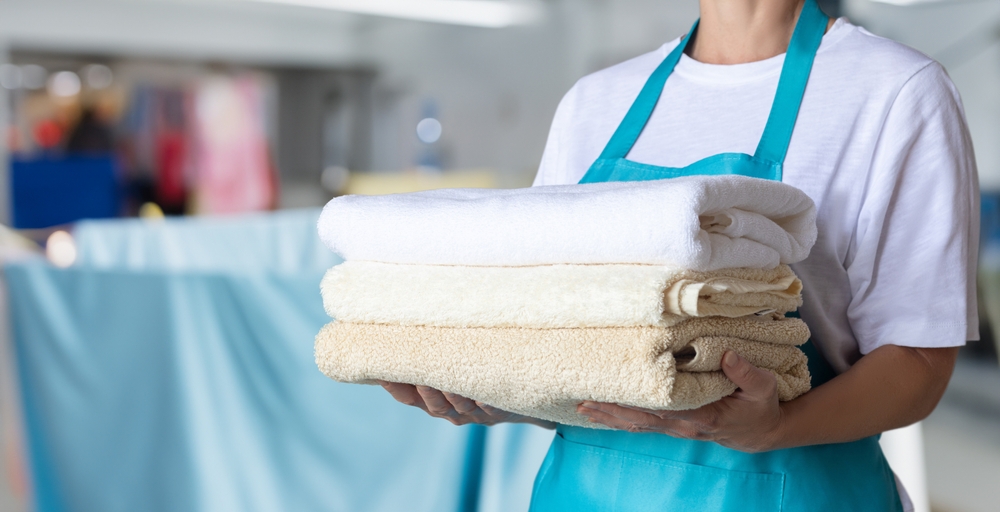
column 749, row 378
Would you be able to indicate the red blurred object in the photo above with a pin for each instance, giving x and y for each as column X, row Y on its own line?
column 48, row 134
column 171, row 191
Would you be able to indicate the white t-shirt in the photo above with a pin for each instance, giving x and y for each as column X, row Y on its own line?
column 880, row 145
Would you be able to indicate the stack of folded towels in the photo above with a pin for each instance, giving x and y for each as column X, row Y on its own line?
column 534, row 300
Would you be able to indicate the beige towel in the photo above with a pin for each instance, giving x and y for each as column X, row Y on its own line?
column 552, row 296
column 545, row 373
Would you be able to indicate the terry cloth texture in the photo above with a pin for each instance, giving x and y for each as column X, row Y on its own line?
column 545, row 373
column 697, row 222
column 551, row 296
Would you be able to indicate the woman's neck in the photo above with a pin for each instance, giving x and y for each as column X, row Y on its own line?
column 739, row 31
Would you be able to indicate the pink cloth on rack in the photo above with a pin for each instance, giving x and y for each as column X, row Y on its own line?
column 233, row 166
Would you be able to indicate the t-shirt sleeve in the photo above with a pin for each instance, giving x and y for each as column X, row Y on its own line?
column 553, row 169
column 912, row 261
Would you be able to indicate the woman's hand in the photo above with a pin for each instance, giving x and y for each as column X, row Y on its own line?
column 747, row 420
column 454, row 408
column 889, row 388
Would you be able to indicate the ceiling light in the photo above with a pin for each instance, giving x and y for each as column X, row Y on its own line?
column 33, row 76
column 64, row 84
column 476, row 13
column 98, row 76
column 429, row 130
column 10, row 76
column 61, row 249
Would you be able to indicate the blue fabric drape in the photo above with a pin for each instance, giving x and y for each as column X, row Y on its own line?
column 158, row 376
column 283, row 242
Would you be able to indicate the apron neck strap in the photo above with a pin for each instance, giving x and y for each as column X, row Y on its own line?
column 638, row 114
column 805, row 41
column 798, row 63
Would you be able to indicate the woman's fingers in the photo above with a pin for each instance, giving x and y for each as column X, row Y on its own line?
column 454, row 408
column 436, row 402
column 633, row 416
column 461, row 404
column 404, row 394
column 685, row 415
column 611, row 420
column 633, row 420
column 492, row 411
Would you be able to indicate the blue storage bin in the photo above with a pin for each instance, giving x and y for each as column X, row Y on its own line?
column 50, row 190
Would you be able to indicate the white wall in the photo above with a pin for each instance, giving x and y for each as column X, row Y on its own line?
column 965, row 38
column 496, row 89
column 198, row 29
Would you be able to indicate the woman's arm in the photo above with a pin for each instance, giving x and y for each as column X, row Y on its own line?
column 889, row 388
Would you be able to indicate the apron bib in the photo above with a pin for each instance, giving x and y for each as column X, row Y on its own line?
column 589, row 470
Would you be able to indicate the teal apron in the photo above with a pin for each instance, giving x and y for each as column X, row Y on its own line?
column 589, row 470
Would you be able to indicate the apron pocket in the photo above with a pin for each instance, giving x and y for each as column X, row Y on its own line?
column 588, row 478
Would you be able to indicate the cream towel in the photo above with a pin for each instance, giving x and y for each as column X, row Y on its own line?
column 695, row 222
column 552, row 296
column 545, row 373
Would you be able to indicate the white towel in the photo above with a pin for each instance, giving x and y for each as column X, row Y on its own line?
column 550, row 296
column 698, row 222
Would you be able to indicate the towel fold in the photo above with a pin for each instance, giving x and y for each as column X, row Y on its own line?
column 545, row 373
column 551, row 296
column 700, row 223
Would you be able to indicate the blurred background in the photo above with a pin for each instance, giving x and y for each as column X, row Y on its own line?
column 161, row 166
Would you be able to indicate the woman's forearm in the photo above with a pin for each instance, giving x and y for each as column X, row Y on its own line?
column 889, row 388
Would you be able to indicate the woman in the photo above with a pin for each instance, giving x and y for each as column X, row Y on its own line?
column 874, row 132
